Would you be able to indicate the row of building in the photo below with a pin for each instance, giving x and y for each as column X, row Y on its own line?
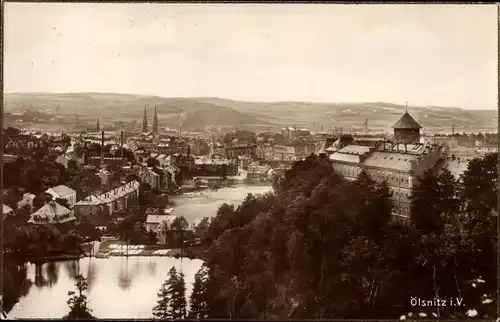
column 53, row 212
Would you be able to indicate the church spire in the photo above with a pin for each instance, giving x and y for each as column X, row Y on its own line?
column 145, row 122
column 155, row 123
column 98, row 127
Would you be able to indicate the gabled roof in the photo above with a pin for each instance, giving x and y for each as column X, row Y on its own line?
column 60, row 191
column 6, row 209
column 406, row 122
column 51, row 213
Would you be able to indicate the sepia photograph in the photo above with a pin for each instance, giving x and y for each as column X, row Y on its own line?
column 249, row 161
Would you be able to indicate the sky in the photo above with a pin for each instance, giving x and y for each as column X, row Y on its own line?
column 440, row 55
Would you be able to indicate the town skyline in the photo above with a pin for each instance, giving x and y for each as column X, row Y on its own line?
column 220, row 51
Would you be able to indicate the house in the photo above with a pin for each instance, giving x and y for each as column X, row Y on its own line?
column 63, row 192
column 115, row 200
column 206, row 167
column 108, row 161
column 27, row 200
column 160, row 224
column 62, row 159
column 149, row 176
column 258, row 171
column 153, row 222
column 7, row 211
column 52, row 213
column 244, row 161
column 185, row 162
column 7, row 158
column 237, row 150
column 104, row 175
column 163, row 160
column 23, row 141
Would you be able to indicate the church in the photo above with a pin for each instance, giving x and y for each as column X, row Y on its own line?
column 145, row 129
column 399, row 162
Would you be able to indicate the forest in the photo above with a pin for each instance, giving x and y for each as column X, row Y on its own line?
column 321, row 247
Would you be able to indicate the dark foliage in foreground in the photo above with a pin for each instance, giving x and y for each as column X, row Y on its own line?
column 321, row 247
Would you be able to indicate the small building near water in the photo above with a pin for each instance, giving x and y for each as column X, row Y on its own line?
column 52, row 213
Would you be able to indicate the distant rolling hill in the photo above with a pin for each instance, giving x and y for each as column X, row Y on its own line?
column 202, row 113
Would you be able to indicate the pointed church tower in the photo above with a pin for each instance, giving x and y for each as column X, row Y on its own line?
column 155, row 124
column 98, row 127
column 145, row 122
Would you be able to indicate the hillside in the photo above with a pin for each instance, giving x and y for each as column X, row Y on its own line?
column 88, row 106
column 380, row 115
column 224, row 114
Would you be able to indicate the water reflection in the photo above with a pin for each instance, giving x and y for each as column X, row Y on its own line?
column 151, row 267
column 40, row 280
column 73, row 269
column 92, row 272
column 52, row 273
column 16, row 283
column 133, row 295
column 124, row 280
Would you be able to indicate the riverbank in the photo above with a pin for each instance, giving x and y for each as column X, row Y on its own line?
column 43, row 259
column 119, row 248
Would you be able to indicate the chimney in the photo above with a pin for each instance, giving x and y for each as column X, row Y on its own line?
column 406, row 148
column 102, row 148
column 121, row 144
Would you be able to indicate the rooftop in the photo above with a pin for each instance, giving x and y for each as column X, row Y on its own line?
column 51, row 213
column 417, row 149
column 391, row 160
column 109, row 196
column 406, row 122
column 60, row 190
column 158, row 219
column 355, row 149
column 6, row 209
column 343, row 157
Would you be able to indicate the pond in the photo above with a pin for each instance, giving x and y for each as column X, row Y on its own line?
column 119, row 287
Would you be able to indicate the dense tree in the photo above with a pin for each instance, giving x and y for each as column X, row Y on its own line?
column 179, row 223
column 201, row 229
column 164, row 309
column 78, row 303
column 287, row 254
column 199, row 296
column 480, row 184
column 179, row 305
column 84, row 181
column 152, row 162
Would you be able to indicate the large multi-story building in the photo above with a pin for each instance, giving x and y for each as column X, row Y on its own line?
column 237, row 150
column 210, row 167
column 399, row 163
